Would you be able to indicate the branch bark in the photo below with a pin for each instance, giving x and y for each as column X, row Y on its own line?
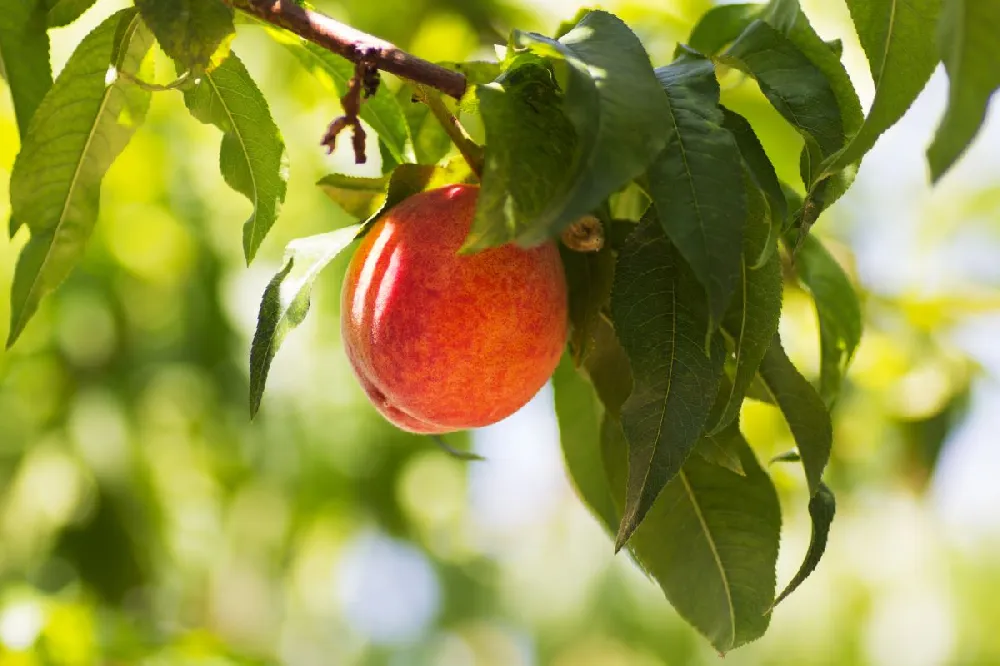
column 353, row 44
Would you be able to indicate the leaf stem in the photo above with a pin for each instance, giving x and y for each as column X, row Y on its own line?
column 353, row 44
column 471, row 151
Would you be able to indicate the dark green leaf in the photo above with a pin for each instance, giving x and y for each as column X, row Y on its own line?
column 723, row 449
column 898, row 37
column 804, row 411
column 764, row 176
column 824, row 188
column 822, row 507
column 195, row 33
column 588, row 276
column 580, row 413
column 696, row 183
column 721, row 25
column 252, row 158
column 24, row 49
column 382, row 112
column 661, row 319
column 287, row 297
column 789, row 19
column 710, row 541
column 609, row 368
column 838, row 310
column 529, row 143
column 793, row 84
column 617, row 121
column 752, row 318
column 968, row 45
column 76, row 133
column 64, row 12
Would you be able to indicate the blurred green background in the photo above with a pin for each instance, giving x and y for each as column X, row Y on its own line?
column 145, row 520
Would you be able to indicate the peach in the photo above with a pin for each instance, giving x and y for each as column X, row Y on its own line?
column 441, row 341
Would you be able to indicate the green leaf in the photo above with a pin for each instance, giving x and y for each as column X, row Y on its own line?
column 429, row 140
column 617, row 121
column 721, row 25
column 24, row 49
column 710, row 541
column 723, row 449
column 788, row 18
column 838, row 310
column 589, row 276
column 579, row 412
column 358, row 196
column 824, row 188
column 898, row 37
column 660, row 317
column 192, row 32
column 967, row 38
column 696, row 183
column 764, row 176
column 76, row 133
column 793, row 84
column 822, row 507
column 804, row 411
column 287, row 297
column 529, row 143
column 252, row 158
column 382, row 112
column 64, row 12
column 752, row 318
column 409, row 179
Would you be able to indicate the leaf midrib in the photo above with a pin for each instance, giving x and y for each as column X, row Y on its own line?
column 74, row 181
column 715, row 554
column 253, row 177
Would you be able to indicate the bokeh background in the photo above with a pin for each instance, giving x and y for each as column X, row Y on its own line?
column 145, row 520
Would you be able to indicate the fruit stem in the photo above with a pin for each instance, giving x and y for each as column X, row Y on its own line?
column 471, row 151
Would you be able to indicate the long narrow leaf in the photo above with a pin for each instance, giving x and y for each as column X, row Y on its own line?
column 77, row 132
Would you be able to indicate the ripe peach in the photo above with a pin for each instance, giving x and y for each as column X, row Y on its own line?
column 442, row 341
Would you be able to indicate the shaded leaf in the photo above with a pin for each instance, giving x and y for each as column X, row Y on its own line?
column 64, row 12
column 580, row 413
column 696, row 183
column 616, row 120
column 252, row 158
column 195, row 33
column 588, row 276
column 804, row 411
column 75, row 134
column 752, row 318
column 660, row 317
column 721, row 25
column 898, row 37
column 764, row 176
column 796, row 88
column 967, row 37
column 24, row 50
column 710, row 541
column 286, row 300
column 529, row 143
column 723, row 449
column 822, row 507
column 838, row 311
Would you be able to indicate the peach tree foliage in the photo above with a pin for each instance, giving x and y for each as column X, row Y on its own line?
column 674, row 322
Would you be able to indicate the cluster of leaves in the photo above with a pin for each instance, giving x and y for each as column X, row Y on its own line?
column 674, row 323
